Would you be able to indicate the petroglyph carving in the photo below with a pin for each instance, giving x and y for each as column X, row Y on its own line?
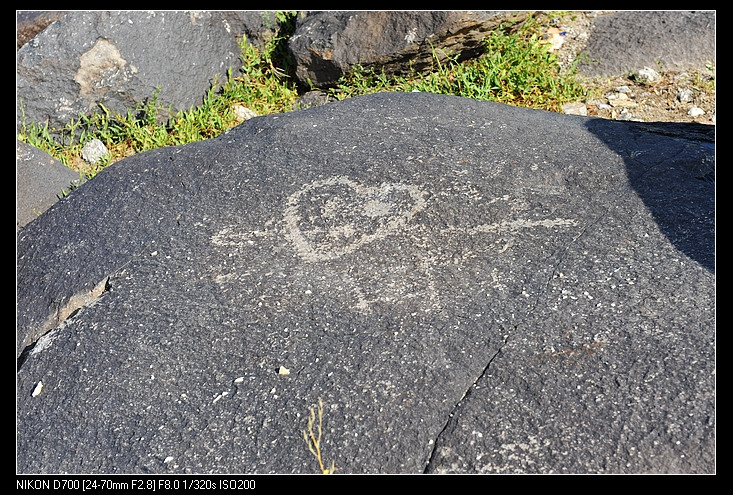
column 336, row 228
column 329, row 218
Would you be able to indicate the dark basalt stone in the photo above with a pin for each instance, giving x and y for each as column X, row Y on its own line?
column 466, row 286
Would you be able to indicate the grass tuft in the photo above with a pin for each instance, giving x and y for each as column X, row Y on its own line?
column 516, row 68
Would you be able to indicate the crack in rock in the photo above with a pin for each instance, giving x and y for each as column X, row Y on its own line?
column 73, row 304
column 62, row 313
column 460, row 401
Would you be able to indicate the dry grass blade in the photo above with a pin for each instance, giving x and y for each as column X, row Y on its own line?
column 313, row 438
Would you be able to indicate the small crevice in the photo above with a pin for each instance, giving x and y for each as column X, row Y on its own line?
column 484, row 372
column 23, row 356
column 77, row 301
column 65, row 311
column 466, row 394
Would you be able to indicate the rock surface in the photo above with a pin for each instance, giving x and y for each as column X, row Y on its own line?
column 627, row 41
column 40, row 181
column 469, row 287
column 119, row 59
column 326, row 45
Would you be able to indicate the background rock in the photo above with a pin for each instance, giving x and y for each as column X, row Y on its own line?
column 40, row 181
column 30, row 23
column 118, row 59
column 326, row 45
column 464, row 293
column 628, row 41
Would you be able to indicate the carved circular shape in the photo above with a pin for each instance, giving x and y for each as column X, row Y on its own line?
column 332, row 217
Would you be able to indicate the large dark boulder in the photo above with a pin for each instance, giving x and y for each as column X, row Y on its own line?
column 468, row 287
column 119, row 59
column 626, row 41
column 326, row 45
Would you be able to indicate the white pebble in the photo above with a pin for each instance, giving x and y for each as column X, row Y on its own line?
column 93, row 151
column 37, row 391
column 684, row 95
column 648, row 75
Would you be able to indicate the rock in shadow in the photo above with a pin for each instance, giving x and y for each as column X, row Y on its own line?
column 671, row 166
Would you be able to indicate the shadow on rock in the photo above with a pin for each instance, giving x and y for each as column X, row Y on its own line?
column 671, row 166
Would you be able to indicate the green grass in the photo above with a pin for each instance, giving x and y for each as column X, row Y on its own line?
column 515, row 69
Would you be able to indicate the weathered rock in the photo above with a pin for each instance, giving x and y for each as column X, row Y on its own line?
column 258, row 27
column 326, row 45
column 469, row 287
column 30, row 23
column 119, row 59
column 628, row 41
column 40, row 181
column 313, row 99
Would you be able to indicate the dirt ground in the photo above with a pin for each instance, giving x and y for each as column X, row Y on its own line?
column 656, row 101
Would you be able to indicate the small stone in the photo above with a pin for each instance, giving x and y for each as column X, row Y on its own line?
column 283, row 371
column 93, row 151
column 575, row 109
column 647, row 75
column 242, row 113
column 600, row 104
column 37, row 391
column 622, row 103
column 695, row 112
column 684, row 95
column 624, row 115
